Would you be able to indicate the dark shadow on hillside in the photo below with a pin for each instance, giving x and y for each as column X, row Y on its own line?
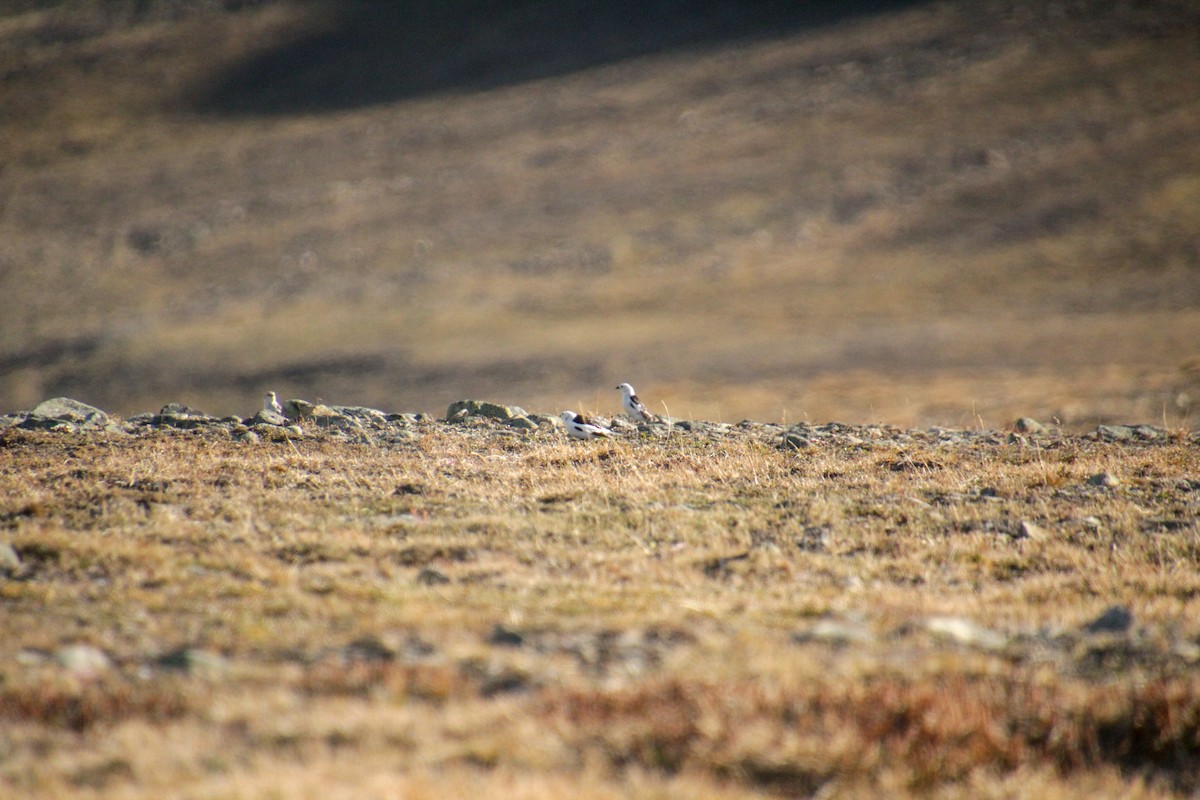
column 362, row 53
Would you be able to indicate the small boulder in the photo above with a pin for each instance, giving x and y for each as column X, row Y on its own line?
column 63, row 412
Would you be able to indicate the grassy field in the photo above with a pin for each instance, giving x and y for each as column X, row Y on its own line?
column 884, row 613
column 924, row 213
column 896, row 215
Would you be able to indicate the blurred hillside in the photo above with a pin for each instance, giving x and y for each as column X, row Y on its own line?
column 917, row 213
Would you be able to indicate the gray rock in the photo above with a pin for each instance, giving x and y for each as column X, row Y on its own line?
column 371, row 417
column 82, row 660
column 1029, row 425
column 546, row 420
column 479, row 408
column 432, row 577
column 177, row 415
column 1115, row 619
column 1105, row 479
column 1029, row 530
column 795, row 440
column 264, row 417
column 965, row 632
column 296, row 409
column 326, row 417
column 1115, row 433
column 836, row 632
column 10, row 562
column 522, row 424
column 68, row 410
column 63, row 413
column 195, row 661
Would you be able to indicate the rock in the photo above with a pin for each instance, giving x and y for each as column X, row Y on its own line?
column 10, row 562
column 1029, row 530
column 264, row 417
column 814, row 538
column 367, row 416
column 177, row 415
column 1115, row 433
column 432, row 577
column 63, row 412
column 326, row 417
column 82, row 660
column 793, row 440
column 478, row 408
column 1115, row 619
column 544, row 420
column 965, row 632
column 836, row 632
column 505, row 637
column 195, row 661
column 1105, row 479
column 522, row 424
column 296, row 409
column 1029, row 425
column 65, row 408
column 385, row 648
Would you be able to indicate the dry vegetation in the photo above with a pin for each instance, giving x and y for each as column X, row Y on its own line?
column 933, row 213
column 937, row 213
column 481, row 612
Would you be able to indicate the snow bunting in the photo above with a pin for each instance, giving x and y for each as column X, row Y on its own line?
column 579, row 427
column 271, row 404
column 633, row 406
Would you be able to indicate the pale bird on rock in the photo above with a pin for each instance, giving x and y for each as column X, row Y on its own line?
column 634, row 407
column 580, row 427
column 271, row 404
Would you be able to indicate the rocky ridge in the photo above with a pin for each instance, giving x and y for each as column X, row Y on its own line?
column 373, row 426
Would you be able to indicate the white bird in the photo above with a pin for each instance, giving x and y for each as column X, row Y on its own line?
column 271, row 404
column 633, row 406
column 580, row 427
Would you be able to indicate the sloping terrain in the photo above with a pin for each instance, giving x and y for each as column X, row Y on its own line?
column 915, row 213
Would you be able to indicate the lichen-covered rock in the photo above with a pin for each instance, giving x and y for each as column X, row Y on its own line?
column 264, row 417
column 64, row 413
column 297, row 409
column 460, row 409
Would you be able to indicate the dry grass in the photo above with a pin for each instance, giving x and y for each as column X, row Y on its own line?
column 480, row 612
column 939, row 214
